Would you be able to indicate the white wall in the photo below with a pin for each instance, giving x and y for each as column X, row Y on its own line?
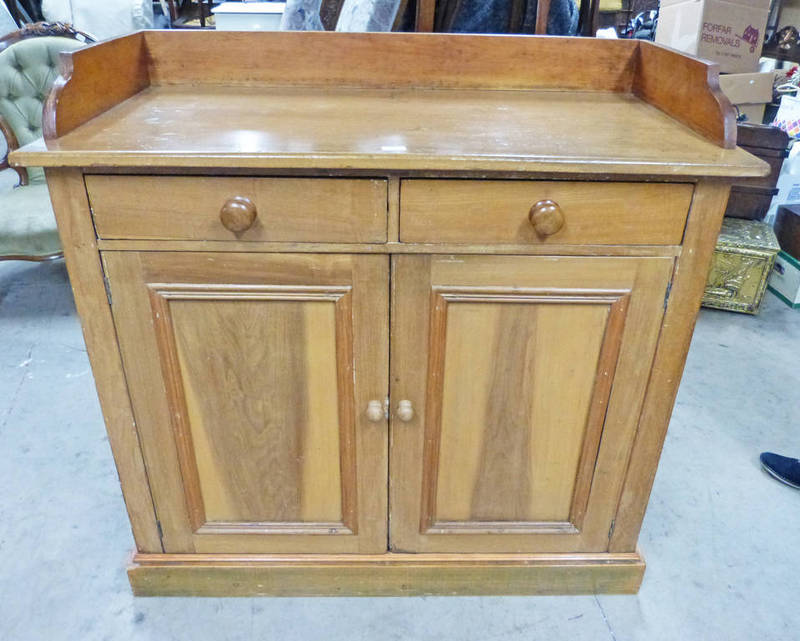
column 6, row 24
column 105, row 19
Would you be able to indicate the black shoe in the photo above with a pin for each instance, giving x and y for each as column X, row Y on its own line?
column 783, row 468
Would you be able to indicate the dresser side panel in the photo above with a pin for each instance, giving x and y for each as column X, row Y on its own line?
column 71, row 206
column 688, row 284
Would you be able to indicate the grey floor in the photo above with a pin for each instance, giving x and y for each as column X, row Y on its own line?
column 722, row 539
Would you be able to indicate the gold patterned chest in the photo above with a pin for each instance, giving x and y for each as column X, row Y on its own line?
column 741, row 265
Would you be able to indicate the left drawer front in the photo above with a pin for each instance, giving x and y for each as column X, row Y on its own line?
column 287, row 209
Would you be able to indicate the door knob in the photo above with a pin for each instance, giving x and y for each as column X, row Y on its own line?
column 238, row 214
column 375, row 412
column 405, row 411
column 547, row 217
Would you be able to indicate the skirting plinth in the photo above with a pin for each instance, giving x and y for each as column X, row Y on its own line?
column 384, row 575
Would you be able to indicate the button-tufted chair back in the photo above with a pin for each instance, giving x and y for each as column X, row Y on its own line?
column 28, row 69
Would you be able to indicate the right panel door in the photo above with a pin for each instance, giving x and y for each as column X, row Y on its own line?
column 525, row 376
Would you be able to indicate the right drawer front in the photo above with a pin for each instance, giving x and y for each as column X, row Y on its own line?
column 496, row 212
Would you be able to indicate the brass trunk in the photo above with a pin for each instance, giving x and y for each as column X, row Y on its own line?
column 742, row 262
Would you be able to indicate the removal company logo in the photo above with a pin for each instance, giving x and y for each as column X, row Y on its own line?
column 750, row 36
column 724, row 35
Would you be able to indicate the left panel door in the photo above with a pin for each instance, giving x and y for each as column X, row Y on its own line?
column 250, row 376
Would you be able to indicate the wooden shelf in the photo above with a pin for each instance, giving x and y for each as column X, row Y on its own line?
column 533, row 97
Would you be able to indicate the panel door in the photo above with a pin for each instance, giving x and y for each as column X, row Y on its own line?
column 249, row 376
column 525, row 377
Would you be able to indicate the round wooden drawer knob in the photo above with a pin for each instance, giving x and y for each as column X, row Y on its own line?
column 238, row 214
column 375, row 412
column 546, row 217
column 405, row 411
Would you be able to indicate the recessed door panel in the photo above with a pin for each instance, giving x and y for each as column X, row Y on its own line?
column 527, row 374
column 507, row 453
column 258, row 419
column 258, row 356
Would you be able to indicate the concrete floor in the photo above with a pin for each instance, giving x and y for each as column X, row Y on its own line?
column 722, row 539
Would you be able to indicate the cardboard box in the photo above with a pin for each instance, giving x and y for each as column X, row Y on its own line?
column 748, row 88
column 728, row 32
column 249, row 16
column 750, row 92
column 784, row 281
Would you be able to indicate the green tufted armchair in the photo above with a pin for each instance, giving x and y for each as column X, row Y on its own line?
column 28, row 68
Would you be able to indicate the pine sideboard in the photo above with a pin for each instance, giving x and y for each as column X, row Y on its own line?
column 386, row 314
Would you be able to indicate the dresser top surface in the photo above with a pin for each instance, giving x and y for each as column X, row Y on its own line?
column 475, row 130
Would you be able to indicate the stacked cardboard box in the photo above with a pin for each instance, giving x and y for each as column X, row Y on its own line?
column 750, row 92
column 730, row 33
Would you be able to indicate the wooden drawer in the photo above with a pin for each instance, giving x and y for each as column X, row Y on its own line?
column 497, row 211
column 287, row 209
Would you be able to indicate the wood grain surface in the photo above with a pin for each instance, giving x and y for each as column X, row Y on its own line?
column 288, row 209
column 241, row 371
column 504, row 452
column 705, row 219
column 71, row 208
column 271, row 358
column 661, row 81
column 384, row 575
column 494, row 211
column 108, row 74
column 391, row 129
column 390, row 248
column 392, row 60
column 508, row 449
column 533, row 369
column 396, row 60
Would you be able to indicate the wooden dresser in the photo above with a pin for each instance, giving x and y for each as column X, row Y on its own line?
column 386, row 313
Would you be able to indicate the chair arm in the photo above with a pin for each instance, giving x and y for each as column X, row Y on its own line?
column 11, row 145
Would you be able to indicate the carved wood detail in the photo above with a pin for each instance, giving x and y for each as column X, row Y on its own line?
column 44, row 29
